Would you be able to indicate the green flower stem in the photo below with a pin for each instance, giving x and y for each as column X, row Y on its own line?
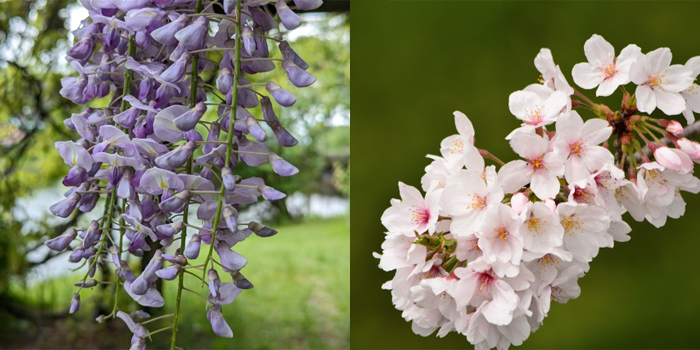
column 194, row 77
column 229, row 140
column 108, row 223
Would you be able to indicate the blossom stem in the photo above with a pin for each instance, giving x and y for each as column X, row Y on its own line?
column 126, row 90
column 486, row 154
column 229, row 139
column 191, row 291
column 194, row 77
column 108, row 224
column 159, row 330
column 157, row 318
column 579, row 94
column 261, row 59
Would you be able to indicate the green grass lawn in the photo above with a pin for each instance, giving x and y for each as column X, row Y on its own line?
column 301, row 297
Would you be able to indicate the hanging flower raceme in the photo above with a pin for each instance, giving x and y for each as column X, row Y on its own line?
column 168, row 144
column 484, row 252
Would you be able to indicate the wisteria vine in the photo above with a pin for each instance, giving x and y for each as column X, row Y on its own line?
column 151, row 155
column 486, row 251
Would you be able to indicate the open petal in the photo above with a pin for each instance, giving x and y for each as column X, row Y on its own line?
column 514, row 175
column 598, row 50
column 586, row 75
column 671, row 103
column 544, row 185
column 646, row 100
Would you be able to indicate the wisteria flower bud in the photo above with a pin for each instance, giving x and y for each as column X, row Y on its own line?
column 230, row 259
column 176, row 71
column 290, row 54
column 176, row 259
column 81, row 50
column 88, row 284
column 270, row 193
column 169, row 273
column 228, row 179
column 77, row 254
column 218, row 323
column 289, row 19
column 296, row 75
column 74, row 303
column 240, row 281
column 66, row 206
column 283, row 136
column 189, row 120
column 177, row 157
column 166, row 34
column 193, row 246
column 139, row 314
column 308, row 5
column 214, row 282
column 127, row 119
column 230, row 215
column 175, row 202
column 281, row 166
column 92, row 234
column 192, row 36
column 170, row 229
column 62, row 242
column 224, row 82
column 248, row 40
column 254, row 128
column 261, row 230
column 282, row 96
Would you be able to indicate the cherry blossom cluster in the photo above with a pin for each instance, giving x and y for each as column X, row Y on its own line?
column 485, row 251
column 154, row 157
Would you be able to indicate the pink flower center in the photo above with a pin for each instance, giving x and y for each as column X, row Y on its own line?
column 500, row 233
column 485, row 281
column 656, row 79
column 420, row 216
column 535, row 116
column 578, row 148
column 609, row 70
column 478, row 203
column 536, row 163
column 583, row 195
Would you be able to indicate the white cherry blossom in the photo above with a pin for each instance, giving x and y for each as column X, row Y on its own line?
column 540, row 167
column 413, row 212
column 658, row 83
column 603, row 69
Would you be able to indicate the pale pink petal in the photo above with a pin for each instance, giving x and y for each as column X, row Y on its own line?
column 554, row 104
column 671, row 103
column 624, row 61
column 528, row 145
column 677, row 78
column 544, row 184
column 596, row 131
column 569, row 127
column 607, row 87
column 587, row 75
column 575, row 170
column 464, row 126
column 659, row 59
column 639, row 70
column 646, row 100
column 554, row 163
column 520, row 101
column 597, row 157
column 514, row 175
column 598, row 50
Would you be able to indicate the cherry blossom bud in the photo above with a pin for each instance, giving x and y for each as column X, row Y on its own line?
column 281, row 166
column 193, row 246
column 673, row 159
column 691, row 148
column 75, row 303
column 62, row 242
column 282, row 96
column 261, row 230
column 189, row 120
column 674, row 127
column 169, row 273
column 518, row 202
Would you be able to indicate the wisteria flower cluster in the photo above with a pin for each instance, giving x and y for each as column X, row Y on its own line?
column 486, row 250
column 152, row 156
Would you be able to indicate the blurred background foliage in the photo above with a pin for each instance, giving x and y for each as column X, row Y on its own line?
column 301, row 297
column 415, row 62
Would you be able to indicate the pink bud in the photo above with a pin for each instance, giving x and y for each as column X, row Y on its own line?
column 691, row 148
column 674, row 127
column 673, row 159
column 518, row 202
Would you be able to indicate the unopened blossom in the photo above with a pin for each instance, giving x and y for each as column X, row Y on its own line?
column 603, row 69
column 659, row 83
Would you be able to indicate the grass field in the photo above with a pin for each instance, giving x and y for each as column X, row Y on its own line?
column 301, row 298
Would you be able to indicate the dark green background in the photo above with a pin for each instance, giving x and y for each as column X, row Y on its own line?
column 415, row 62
